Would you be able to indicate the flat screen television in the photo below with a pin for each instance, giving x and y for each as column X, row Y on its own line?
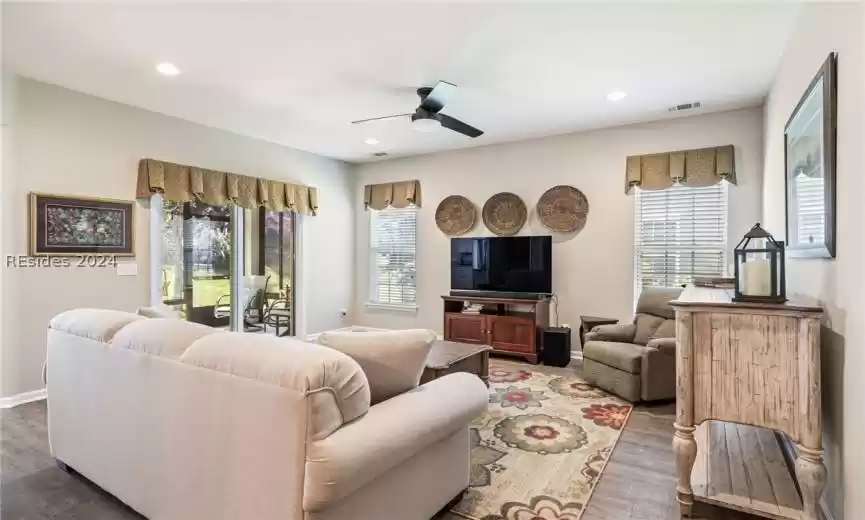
column 502, row 264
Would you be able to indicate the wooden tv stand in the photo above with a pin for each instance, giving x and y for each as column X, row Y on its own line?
column 511, row 326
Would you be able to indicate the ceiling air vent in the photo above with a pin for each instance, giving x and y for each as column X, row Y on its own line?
column 380, row 154
column 686, row 106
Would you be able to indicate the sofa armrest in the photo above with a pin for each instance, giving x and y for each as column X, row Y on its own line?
column 391, row 432
column 665, row 344
column 658, row 370
column 619, row 333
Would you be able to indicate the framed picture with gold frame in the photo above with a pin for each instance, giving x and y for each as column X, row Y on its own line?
column 81, row 226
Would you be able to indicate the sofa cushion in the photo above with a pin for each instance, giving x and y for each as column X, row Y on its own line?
column 393, row 360
column 95, row 324
column 161, row 337
column 667, row 329
column 333, row 383
column 158, row 311
column 623, row 356
column 646, row 327
column 656, row 301
column 622, row 332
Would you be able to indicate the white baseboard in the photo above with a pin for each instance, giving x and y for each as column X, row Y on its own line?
column 577, row 354
column 26, row 397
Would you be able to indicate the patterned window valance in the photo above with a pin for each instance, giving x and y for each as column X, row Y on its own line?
column 701, row 167
column 394, row 194
column 181, row 183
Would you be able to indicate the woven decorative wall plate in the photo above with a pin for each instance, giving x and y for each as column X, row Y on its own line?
column 563, row 209
column 455, row 215
column 504, row 214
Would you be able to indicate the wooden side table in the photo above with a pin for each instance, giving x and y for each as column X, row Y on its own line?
column 587, row 323
column 742, row 371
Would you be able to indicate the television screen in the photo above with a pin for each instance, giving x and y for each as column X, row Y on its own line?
column 506, row 264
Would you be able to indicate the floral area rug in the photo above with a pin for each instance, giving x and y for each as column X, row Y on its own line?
column 539, row 450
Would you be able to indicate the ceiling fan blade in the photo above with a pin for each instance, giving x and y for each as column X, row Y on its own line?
column 379, row 118
column 458, row 126
column 438, row 97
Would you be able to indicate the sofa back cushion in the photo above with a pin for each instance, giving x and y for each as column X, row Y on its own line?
column 95, row 324
column 655, row 317
column 333, row 384
column 393, row 360
column 656, row 301
column 666, row 330
column 158, row 311
column 652, row 327
column 646, row 327
column 160, row 336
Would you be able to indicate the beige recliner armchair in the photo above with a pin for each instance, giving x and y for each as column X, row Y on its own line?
column 636, row 361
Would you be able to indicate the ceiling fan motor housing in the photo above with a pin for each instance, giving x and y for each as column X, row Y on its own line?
column 423, row 92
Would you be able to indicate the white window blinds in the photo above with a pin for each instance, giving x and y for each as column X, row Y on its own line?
column 680, row 232
column 393, row 244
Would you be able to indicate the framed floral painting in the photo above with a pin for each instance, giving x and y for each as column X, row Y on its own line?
column 79, row 226
column 809, row 159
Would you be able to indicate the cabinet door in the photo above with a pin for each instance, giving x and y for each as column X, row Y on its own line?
column 466, row 329
column 511, row 333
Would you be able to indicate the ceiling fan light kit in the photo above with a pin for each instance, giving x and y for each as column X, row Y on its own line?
column 427, row 116
column 425, row 124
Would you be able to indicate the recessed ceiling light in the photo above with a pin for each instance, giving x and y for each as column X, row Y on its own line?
column 371, row 141
column 616, row 95
column 167, row 69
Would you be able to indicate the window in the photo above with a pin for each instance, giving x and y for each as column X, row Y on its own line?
column 393, row 242
column 680, row 233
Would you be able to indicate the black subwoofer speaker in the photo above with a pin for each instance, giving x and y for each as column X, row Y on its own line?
column 557, row 346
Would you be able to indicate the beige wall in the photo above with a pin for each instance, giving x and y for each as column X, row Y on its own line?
column 7, row 84
column 839, row 283
column 70, row 143
column 592, row 272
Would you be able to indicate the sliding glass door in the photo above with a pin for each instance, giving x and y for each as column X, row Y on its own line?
column 196, row 261
column 197, row 266
column 276, row 261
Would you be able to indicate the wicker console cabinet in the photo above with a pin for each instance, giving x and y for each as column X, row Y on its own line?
column 747, row 373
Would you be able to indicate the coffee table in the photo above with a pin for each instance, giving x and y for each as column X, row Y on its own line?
column 448, row 357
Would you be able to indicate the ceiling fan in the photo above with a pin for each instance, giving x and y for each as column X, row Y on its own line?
column 427, row 116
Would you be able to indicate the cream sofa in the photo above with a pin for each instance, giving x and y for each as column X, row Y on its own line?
column 182, row 421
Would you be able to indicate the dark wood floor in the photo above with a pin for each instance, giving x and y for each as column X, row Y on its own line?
column 638, row 483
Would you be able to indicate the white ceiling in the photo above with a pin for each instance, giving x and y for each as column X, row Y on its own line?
column 297, row 74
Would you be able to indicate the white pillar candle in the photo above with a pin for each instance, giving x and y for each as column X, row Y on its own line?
column 757, row 277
